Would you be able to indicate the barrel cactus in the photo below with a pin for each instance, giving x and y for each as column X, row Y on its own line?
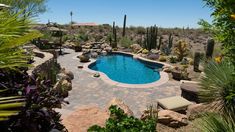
column 210, row 48
column 196, row 62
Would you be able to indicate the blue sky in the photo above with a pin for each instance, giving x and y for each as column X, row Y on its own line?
column 164, row 13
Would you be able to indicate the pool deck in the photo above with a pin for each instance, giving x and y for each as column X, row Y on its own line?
column 90, row 91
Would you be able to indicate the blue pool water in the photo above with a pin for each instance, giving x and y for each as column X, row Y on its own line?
column 125, row 69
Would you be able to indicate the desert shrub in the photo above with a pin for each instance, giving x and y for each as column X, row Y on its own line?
column 125, row 42
column 145, row 51
column 140, row 30
column 121, row 122
column 162, row 58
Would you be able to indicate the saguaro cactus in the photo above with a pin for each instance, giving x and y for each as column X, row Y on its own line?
column 124, row 27
column 151, row 37
column 114, row 45
column 170, row 44
column 196, row 62
column 210, row 48
column 160, row 43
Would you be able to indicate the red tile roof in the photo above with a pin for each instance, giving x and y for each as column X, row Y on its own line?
column 85, row 24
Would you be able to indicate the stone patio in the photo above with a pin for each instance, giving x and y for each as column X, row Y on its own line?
column 90, row 91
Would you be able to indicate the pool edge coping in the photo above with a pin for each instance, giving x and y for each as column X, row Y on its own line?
column 163, row 75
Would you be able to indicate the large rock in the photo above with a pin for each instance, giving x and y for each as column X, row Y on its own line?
column 108, row 49
column 153, row 56
column 167, row 69
column 84, row 58
column 68, row 73
column 67, row 86
column 62, row 87
column 195, row 110
column 154, row 51
column 104, row 52
column 172, row 119
column 62, row 76
column 135, row 47
column 83, row 118
column 121, row 105
column 94, row 55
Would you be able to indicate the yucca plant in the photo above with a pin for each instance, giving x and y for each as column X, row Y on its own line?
column 218, row 90
column 214, row 122
column 218, row 86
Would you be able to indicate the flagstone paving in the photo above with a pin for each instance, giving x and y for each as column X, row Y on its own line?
column 88, row 90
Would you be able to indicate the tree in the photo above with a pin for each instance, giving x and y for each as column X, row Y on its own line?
column 223, row 25
column 31, row 7
column 15, row 31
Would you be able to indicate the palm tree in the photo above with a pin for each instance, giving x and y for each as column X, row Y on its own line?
column 15, row 30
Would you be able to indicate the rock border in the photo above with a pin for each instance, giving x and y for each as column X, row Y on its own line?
column 163, row 75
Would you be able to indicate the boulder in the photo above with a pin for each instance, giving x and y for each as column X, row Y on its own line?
column 98, row 51
column 94, row 55
column 84, row 58
column 67, row 86
column 167, row 69
column 62, row 76
column 104, row 52
column 69, row 44
column 86, row 51
column 172, row 119
column 108, row 49
column 135, row 47
column 154, row 51
column 121, row 105
column 104, row 46
column 195, row 110
column 68, row 73
column 153, row 56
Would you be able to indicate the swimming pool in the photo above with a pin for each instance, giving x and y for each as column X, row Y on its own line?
column 126, row 69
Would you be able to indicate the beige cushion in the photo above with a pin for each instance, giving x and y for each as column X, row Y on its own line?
column 174, row 103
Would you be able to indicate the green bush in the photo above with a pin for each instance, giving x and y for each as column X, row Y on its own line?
column 126, row 42
column 121, row 122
